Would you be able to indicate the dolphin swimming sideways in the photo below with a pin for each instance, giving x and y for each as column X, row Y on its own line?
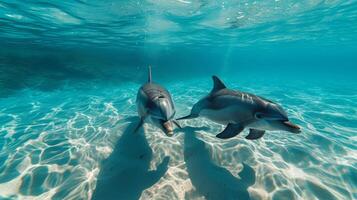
column 239, row 110
column 155, row 101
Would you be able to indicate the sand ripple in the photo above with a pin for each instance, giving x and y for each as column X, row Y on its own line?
column 70, row 143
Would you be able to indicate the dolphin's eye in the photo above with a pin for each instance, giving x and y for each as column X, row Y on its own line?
column 258, row 115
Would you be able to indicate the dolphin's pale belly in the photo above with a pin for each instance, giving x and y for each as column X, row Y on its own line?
column 231, row 114
column 261, row 125
column 236, row 115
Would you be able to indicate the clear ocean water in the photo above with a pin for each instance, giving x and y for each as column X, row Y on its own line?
column 70, row 71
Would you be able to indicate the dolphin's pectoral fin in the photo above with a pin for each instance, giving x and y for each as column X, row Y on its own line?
column 177, row 124
column 139, row 125
column 255, row 134
column 190, row 116
column 230, row 131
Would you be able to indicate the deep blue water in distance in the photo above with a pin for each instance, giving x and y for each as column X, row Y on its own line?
column 70, row 71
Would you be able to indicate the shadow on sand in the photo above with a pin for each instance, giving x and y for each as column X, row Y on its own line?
column 210, row 180
column 125, row 174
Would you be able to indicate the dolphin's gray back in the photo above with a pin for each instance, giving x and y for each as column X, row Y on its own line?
column 228, row 106
column 153, row 91
column 220, row 91
column 227, row 97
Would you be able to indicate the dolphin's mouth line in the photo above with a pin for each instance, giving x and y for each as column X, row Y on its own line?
column 291, row 125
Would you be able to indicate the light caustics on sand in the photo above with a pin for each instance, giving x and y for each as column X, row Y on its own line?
column 70, row 71
column 54, row 145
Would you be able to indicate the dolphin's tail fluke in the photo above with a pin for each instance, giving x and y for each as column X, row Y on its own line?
column 190, row 116
column 149, row 75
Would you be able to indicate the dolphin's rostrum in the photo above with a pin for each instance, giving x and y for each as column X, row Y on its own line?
column 155, row 101
column 239, row 110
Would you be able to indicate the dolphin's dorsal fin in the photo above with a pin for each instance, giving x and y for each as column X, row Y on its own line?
column 149, row 75
column 217, row 84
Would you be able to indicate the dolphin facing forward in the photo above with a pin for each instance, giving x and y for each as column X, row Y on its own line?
column 239, row 110
column 155, row 101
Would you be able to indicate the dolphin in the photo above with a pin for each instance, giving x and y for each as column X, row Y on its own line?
column 155, row 101
column 239, row 110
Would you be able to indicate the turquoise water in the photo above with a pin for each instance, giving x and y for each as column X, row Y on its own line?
column 70, row 71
